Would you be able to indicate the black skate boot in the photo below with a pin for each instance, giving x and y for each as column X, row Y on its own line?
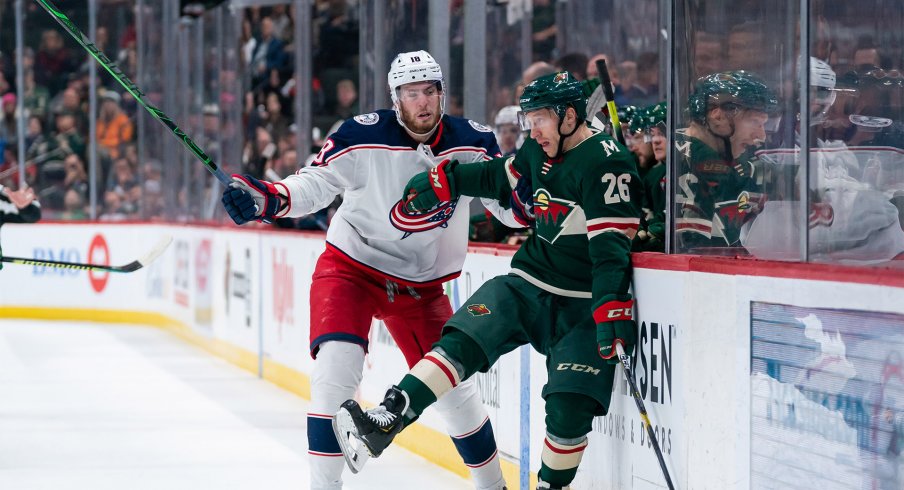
column 374, row 428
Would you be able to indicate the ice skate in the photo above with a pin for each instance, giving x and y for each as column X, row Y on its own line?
column 542, row 485
column 364, row 434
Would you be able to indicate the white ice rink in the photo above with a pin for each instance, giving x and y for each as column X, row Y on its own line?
column 111, row 407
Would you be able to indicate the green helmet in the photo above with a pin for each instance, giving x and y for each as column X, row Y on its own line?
column 556, row 91
column 655, row 115
column 740, row 88
column 629, row 116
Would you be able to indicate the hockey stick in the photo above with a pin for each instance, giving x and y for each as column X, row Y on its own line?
column 133, row 89
column 130, row 267
column 606, row 84
column 629, row 374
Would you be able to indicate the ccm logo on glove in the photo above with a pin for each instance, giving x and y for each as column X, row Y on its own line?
column 614, row 310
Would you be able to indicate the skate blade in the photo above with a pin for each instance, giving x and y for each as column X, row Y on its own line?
column 355, row 452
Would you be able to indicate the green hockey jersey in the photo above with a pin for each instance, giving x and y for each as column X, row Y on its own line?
column 587, row 211
column 706, row 197
column 654, row 202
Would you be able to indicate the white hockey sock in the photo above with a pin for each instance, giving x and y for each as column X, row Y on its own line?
column 469, row 425
column 337, row 373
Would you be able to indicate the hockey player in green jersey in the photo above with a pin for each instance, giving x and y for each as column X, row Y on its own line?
column 728, row 112
column 567, row 293
column 651, row 236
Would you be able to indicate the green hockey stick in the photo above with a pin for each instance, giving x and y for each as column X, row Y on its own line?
column 133, row 89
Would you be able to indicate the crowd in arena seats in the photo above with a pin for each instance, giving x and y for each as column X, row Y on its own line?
column 863, row 106
column 56, row 142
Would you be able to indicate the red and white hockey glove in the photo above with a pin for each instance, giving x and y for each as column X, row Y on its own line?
column 249, row 199
column 427, row 189
column 615, row 323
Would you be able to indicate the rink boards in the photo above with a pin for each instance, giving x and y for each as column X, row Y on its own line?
column 756, row 374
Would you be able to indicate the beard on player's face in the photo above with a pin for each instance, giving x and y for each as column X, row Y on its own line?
column 422, row 114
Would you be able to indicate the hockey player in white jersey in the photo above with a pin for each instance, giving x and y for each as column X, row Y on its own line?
column 382, row 260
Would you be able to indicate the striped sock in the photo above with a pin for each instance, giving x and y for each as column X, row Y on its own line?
column 560, row 461
column 429, row 379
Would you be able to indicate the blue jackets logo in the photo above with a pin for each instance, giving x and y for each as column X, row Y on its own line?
column 409, row 222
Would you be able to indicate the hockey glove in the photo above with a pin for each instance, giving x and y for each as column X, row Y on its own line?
column 427, row 189
column 522, row 202
column 248, row 199
column 615, row 323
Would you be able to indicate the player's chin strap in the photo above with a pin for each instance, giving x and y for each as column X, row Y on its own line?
column 563, row 136
column 726, row 140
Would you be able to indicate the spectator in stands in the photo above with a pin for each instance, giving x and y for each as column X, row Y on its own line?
column 151, row 194
column 346, row 99
column 122, row 178
column 282, row 23
column 52, row 60
column 277, row 120
column 531, row 73
column 632, row 93
column 614, row 76
column 648, row 77
column 257, row 155
column 34, row 136
column 247, row 42
column 709, row 53
column 543, row 23
column 113, row 208
column 269, row 54
column 74, row 206
column 745, row 48
column 5, row 86
column 8, row 123
column 338, row 37
column 114, row 128
column 575, row 63
column 37, row 98
column 70, row 101
column 76, row 176
column 67, row 136
column 613, row 71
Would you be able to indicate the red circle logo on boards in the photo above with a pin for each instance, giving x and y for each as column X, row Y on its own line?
column 98, row 253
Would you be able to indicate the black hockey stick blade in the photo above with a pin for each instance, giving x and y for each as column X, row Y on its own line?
column 130, row 267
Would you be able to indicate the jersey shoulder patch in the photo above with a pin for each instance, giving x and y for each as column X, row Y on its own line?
column 479, row 127
column 368, row 119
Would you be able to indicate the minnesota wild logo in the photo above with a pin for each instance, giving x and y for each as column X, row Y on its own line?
column 556, row 217
column 478, row 310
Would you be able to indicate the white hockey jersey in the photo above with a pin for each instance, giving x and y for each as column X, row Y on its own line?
column 370, row 159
